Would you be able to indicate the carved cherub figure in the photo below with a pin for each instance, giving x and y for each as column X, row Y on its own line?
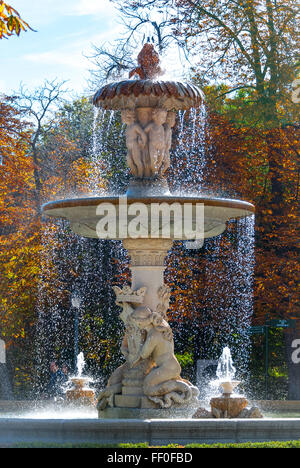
column 156, row 137
column 168, row 125
column 136, row 140
column 159, row 345
column 130, row 349
column 163, row 384
column 133, row 336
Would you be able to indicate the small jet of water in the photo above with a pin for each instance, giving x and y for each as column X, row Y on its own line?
column 80, row 364
column 225, row 370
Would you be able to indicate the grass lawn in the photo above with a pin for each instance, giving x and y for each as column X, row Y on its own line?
column 275, row 444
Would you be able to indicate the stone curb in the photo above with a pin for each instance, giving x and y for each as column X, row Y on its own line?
column 155, row 432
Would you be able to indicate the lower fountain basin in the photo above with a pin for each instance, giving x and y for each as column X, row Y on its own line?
column 84, row 214
column 154, row 432
column 27, row 422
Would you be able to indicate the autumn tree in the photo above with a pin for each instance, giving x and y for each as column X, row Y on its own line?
column 252, row 44
column 39, row 107
column 11, row 21
column 19, row 240
column 48, row 154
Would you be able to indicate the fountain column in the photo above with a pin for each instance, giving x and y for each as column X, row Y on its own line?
column 148, row 266
column 149, row 382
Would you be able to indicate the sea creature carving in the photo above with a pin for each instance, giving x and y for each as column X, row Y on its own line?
column 148, row 63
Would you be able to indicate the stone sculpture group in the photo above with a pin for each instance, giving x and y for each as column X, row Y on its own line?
column 148, row 140
column 151, row 369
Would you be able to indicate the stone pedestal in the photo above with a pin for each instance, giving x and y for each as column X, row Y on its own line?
column 146, row 413
column 150, row 378
column 148, row 266
column 147, row 186
column 80, row 394
column 228, row 407
column 132, row 395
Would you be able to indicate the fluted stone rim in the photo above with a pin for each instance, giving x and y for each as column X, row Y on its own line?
column 134, row 93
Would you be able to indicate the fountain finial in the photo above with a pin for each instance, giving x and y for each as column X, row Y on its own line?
column 148, row 63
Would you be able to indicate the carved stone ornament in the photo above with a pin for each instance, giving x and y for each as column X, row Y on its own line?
column 150, row 253
column 128, row 295
column 151, row 372
column 148, row 109
column 148, row 140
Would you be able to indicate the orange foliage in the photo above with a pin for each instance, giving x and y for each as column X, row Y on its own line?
column 61, row 169
column 11, row 21
column 239, row 165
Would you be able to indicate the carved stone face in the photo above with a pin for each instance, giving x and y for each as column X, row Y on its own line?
column 171, row 119
column 144, row 115
column 159, row 116
column 128, row 116
column 142, row 316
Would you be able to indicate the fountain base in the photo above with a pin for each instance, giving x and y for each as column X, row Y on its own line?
column 228, row 406
column 80, row 394
column 151, row 431
column 146, row 413
column 147, row 187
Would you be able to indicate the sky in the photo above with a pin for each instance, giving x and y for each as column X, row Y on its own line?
column 65, row 33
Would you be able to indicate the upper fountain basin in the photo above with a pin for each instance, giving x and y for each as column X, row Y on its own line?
column 84, row 214
column 132, row 94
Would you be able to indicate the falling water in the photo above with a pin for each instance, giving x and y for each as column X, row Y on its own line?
column 80, row 364
column 188, row 152
column 229, row 291
column 6, row 392
column 214, row 289
column 68, row 264
column 71, row 263
column 108, row 152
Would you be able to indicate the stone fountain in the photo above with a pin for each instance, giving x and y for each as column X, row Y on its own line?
column 147, row 219
column 228, row 405
column 80, row 393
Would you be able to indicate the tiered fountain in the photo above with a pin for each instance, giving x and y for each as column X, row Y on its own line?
column 148, row 219
column 230, row 405
column 80, row 393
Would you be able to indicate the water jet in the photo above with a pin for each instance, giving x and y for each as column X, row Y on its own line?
column 78, row 391
column 229, row 404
